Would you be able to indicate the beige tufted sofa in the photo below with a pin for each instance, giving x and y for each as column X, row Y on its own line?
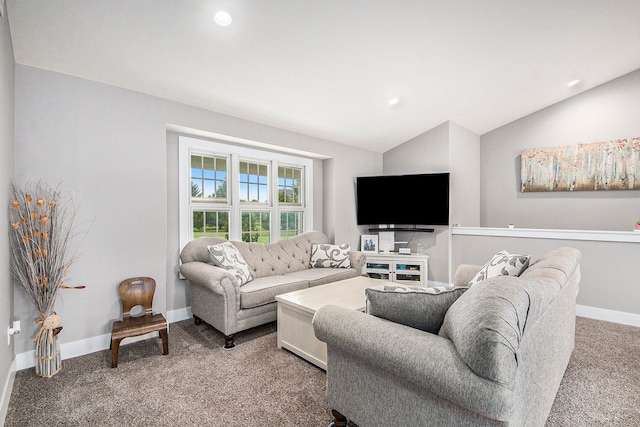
column 284, row 266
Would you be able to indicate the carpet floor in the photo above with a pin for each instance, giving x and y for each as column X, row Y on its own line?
column 199, row 384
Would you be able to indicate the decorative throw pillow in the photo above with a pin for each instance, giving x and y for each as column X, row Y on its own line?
column 227, row 256
column 325, row 255
column 422, row 308
column 502, row 264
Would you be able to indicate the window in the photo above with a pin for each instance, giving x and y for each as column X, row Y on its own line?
column 242, row 193
column 291, row 223
column 256, row 226
column 208, row 179
column 210, row 224
column 254, row 183
column 289, row 181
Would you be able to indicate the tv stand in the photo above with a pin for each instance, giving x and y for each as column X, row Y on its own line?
column 401, row 269
column 411, row 229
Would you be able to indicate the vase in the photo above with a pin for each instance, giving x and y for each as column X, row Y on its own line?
column 48, row 358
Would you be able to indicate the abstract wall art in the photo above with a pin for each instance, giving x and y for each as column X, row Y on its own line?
column 612, row 165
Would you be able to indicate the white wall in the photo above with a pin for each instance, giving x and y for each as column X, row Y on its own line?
column 7, row 66
column 605, row 113
column 111, row 147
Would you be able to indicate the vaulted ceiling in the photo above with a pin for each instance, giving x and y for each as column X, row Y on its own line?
column 327, row 68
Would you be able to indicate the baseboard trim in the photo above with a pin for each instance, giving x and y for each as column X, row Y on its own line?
column 72, row 349
column 6, row 392
column 608, row 315
column 90, row 345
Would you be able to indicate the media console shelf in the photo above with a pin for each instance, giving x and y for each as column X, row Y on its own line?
column 401, row 269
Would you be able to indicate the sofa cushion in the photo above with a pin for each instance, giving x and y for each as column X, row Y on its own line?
column 502, row 264
column 227, row 256
column 281, row 257
column 263, row 290
column 321, row 276
column 486, row 325
column 422, row 308
column 325, row 255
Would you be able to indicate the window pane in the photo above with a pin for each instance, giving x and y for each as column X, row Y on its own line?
column 211, row 224
column 196, row 166
column 289, row 185
column 209, row 189
column 255, row 226
column 244, row 192
column 209, row 167
column 208, row 179
column 291, row 224
column 196, row 191
column 254, row 183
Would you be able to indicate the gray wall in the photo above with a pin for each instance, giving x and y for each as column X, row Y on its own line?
column 610, row 111
column 448, row 147
column 464, row 165
column 7, row 66
column 111, row 147
column 610, row 276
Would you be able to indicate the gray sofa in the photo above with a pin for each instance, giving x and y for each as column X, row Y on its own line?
column 218, row 298
column 497, row 360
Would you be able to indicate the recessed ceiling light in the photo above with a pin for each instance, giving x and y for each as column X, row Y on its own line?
column 393, row 101
column 573, row 83
column 222, row 18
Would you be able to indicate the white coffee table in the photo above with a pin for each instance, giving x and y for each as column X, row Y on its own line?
column 296, row 310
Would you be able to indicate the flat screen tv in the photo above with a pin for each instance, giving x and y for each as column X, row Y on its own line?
column 408, row 200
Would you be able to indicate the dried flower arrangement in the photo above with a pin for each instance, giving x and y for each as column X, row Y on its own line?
column 42, row 228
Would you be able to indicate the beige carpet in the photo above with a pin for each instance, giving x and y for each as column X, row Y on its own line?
column 199, row 384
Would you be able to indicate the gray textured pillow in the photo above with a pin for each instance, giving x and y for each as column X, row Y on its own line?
column 502, row 264
column 418, row 307
column 486, row 326
column 227, row 256
column 326, row 255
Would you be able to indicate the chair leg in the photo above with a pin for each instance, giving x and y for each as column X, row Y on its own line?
column 339, row 420
column 115, row 346
column 197, row 320
column 165, row 341
column 228, row 342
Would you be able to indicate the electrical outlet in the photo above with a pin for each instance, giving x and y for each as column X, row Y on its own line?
column 14, row 329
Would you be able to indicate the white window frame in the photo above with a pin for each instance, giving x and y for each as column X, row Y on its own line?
column 188, row 145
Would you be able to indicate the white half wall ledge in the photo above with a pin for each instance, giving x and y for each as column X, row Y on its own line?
column 540, row 233
column 91, row 345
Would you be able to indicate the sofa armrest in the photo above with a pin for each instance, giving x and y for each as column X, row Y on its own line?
column 219, row 280
column 426, row 360
column 357, row 260
column 464, row 274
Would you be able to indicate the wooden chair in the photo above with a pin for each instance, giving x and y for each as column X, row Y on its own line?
column 137, row 291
